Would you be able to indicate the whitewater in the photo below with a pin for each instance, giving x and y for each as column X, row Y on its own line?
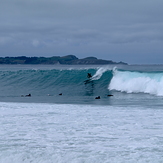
column 75, row 127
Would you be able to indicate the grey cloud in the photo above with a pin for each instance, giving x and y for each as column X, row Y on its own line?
column 108, row 29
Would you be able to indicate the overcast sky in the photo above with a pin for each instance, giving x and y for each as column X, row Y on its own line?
column 120, row 30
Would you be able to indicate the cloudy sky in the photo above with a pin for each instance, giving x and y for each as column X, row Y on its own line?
column 118, row 30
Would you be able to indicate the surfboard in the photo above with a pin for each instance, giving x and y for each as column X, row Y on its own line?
column 87, row 81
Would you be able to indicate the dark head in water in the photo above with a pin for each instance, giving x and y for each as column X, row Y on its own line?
column 60, row 94
column 98, row 97
column 89, row 75
column 29, row 95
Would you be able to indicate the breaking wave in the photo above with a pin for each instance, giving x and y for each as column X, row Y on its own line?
column 137, row 82
column 71, row 81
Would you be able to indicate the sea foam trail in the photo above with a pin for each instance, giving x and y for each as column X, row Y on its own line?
column 100, row 71
column 136, row 82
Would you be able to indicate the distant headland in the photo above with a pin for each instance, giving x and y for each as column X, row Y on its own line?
column 68, row 60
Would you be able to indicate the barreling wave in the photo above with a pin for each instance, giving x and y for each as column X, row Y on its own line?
column 54, row 81
column 137, row 82
column 71, row 82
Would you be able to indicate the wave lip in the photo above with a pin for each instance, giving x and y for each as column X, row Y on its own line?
column 137, row 82
column 100, row 71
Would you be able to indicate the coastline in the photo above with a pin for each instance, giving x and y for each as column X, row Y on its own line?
column 65, row 60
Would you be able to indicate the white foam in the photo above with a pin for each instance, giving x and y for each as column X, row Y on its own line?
column 100, row 71
column 53, row 133
column 135, row 82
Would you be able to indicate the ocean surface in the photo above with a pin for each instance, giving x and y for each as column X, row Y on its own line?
column 63, row 122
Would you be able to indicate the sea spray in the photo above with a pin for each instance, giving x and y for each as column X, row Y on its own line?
column 100, row 72
column 136, row 82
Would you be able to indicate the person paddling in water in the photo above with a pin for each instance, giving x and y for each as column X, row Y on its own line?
column 89, row 75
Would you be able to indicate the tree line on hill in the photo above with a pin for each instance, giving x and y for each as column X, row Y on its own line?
column 69, row 60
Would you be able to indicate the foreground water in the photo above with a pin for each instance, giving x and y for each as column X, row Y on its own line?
column 75, row 127
column 48, row 133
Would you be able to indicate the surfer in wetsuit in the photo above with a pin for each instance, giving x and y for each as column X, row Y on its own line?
column 29, row 95
column 89, row 75
column 89, row 78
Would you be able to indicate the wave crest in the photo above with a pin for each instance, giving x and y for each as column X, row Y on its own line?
column 137, row 82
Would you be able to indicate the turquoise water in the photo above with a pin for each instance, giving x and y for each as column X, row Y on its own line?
column 45, row 83
column 129, row 85
column 75, row 127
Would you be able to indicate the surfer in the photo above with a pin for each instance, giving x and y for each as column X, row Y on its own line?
column 89, row 75
column 109, row 95
column 98, row 97
column 89, row 80
column 29, row 95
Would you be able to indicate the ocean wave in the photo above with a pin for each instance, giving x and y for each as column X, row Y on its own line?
column 54, row 81
column 71, row 81
column 137, row 82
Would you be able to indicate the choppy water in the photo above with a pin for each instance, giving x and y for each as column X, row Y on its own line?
column 76, row 127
